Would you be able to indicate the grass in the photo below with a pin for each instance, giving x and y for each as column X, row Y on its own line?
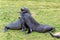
column 45, row 11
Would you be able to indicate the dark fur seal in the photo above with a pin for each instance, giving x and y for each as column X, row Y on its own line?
column 16, row 25
column 32, row 24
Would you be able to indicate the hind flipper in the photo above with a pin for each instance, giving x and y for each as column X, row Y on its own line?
column 5, row 29
column 52, row 30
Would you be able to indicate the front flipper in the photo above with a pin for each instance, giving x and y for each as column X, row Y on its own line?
column 29, row 30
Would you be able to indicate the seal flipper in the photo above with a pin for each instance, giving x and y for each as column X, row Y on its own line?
column 5, row 29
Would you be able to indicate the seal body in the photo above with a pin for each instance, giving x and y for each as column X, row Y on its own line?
column 14, row 25
column 32, row 24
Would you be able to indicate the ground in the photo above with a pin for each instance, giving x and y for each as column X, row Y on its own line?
column 43, row 11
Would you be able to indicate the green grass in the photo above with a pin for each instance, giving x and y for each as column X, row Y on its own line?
column 46, row 11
